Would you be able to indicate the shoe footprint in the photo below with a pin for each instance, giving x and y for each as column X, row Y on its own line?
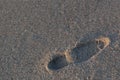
column 80, row 53
column 58, row 61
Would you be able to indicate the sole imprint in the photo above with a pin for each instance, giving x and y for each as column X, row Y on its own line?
column 57, row 62
column 80, row 53
column 84, row 51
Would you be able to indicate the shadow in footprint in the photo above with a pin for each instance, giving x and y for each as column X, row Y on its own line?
column 84, row 51
column 57, row 62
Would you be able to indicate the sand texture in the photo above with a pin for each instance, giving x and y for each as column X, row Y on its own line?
column 59, row 39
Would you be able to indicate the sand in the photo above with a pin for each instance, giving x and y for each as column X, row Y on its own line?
column 35, row 34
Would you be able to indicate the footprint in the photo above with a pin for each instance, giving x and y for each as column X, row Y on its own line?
column 80, row 53
column 57, row 62
column 84, row 51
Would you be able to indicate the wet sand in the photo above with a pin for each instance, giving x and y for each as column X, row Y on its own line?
column 34, row 36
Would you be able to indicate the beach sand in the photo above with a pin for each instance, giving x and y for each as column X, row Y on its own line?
column 36, row 36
